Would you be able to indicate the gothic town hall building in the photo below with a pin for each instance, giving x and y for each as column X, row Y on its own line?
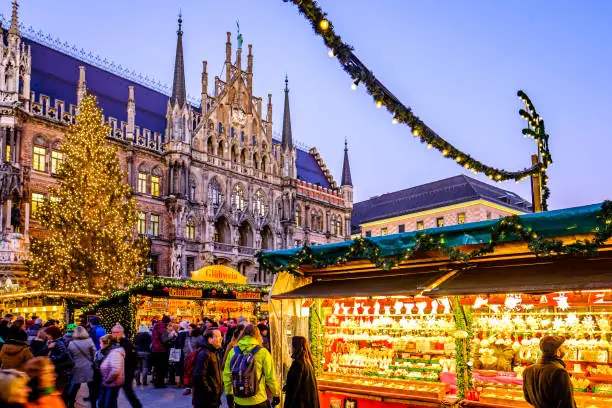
column 212, row 184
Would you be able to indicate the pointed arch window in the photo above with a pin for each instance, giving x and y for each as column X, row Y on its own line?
column 238, row 201
column 190, row 230
column 259, row 204
column 220, row 127
column 232, row 132
column 242, row 136
column 214, row 193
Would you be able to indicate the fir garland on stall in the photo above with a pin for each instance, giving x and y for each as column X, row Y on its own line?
column 315, row 332
column 124, row 313
column 360, row 73
column 509, row 227
column 463, row 347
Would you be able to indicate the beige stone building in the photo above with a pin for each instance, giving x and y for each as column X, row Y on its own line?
column 212, row 183
column 455, row 200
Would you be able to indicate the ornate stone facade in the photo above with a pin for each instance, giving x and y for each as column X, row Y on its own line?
column 212, row 184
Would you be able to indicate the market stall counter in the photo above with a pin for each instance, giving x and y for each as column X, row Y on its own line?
column 453, row 315
column 183, row 299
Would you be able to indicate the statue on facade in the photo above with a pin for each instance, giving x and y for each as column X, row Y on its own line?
column 175, row 265
column 239, row 37
column 16, row 218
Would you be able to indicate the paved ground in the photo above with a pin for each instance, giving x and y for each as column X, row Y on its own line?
column 150, row 397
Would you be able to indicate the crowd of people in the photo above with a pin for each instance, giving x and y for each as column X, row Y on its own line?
column 43, row 365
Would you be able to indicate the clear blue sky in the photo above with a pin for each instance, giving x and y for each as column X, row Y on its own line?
column 457, row 64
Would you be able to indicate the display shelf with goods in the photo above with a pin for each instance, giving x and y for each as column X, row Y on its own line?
column 184, row 299
column 64, row 307
column 463, row 330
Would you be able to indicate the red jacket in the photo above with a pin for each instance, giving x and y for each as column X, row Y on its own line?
column 158, row 330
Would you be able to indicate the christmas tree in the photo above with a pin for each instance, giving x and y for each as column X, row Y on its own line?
column 90, row 245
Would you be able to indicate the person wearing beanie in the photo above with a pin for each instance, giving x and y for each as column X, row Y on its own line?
column 547, row 383
column 15, row 352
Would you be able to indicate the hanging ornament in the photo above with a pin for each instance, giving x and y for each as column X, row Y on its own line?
column 562, row 302
column 214, row 292
column 149, row 286
column 324, row 24
column 480, row 302
column 166, row 289
column 225, row 291
column 234, row 292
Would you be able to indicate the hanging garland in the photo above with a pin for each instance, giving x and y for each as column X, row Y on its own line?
column 360, row 73
column 506, row 228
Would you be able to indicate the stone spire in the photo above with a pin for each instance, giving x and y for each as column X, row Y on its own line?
column 14, row 29
column 287, row 141
column 346, row 168
column 178, row 86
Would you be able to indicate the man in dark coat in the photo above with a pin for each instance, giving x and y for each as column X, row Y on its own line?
column 547, row 384
column 131, row 360
column 160, row 351
column 207, row 379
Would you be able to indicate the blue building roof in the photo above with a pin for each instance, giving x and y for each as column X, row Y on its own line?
column 440, row 193
column 308, row 169
column 56, row 75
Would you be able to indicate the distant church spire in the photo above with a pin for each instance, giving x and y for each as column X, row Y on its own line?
column 287, row 141
column 346, row 168
column 178, row 86
column 14, row 29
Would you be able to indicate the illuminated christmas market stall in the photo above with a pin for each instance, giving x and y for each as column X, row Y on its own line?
column 215, row 291
column 451, row 315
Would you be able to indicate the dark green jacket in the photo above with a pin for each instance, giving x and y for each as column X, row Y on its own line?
column 547, row 384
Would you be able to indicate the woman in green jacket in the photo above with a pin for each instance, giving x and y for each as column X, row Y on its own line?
column 264, row 371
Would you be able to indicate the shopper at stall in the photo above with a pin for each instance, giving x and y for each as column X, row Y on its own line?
column 250, row 346
column 82, row 350
column 174, row 358
column 207, row 377
column 96, row 330
column 265, row 335
column 15, row 352
column 60, row 357
column 131, row 361
column 547, row 383
column 160, row 352
column 111, row 359
column 42, row 382
column 13, row 389
column 190, row 347
column 33, row 330
column 142, row 344
column 301, row 385
column 39, row 344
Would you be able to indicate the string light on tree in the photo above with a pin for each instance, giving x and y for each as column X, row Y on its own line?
column 90, row 245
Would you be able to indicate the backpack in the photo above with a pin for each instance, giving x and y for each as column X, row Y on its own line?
column 190, row 361
column 245, row 383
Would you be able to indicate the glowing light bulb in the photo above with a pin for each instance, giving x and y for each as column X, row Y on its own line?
column 379, row 104
column 324, row 24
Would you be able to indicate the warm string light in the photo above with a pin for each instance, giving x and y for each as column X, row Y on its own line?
column 364, row 248
column 91, row 246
